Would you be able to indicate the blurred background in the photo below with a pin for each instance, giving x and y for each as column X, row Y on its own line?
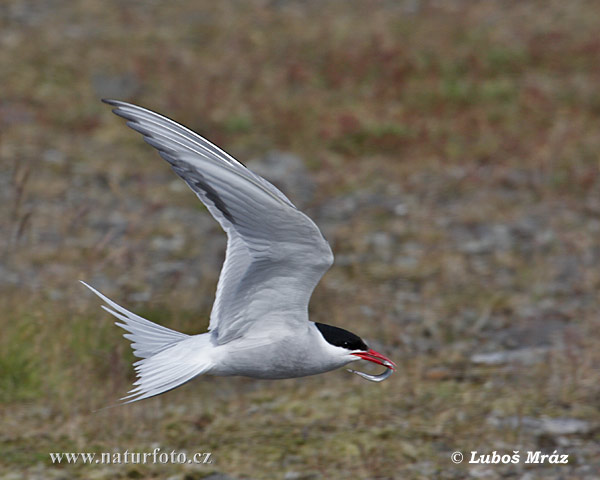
column 447, row 149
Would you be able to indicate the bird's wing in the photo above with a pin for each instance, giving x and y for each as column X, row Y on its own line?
column 275, row 255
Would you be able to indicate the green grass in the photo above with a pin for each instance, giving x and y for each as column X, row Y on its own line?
column 21, row 378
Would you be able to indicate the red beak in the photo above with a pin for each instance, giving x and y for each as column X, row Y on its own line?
column 376, row 357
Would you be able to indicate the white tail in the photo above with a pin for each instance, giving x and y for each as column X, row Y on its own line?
column 169, row 358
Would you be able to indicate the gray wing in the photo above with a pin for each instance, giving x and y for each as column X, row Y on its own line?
column 275, row 255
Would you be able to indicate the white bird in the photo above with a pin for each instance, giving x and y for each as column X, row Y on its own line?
column 275, row 257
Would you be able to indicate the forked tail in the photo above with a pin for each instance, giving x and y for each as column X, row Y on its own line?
column 169, row 358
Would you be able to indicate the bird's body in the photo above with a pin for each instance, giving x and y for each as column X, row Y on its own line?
column 259, row 325
column 286, row 354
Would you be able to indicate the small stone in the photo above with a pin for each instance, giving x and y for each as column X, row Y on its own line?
column 288, row 173
column 526, row 356
column 107, row 85
column 293, row 475
column 552, row 427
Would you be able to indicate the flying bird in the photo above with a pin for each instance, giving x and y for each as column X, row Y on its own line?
column 276, row 255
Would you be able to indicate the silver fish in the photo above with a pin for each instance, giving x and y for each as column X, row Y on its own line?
column 374, row 378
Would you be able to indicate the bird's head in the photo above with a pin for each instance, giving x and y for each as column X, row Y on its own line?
column 354, row 348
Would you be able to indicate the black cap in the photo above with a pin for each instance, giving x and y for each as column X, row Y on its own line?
column 341, row 338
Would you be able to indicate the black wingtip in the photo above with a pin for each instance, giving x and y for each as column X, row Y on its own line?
column 110, row 101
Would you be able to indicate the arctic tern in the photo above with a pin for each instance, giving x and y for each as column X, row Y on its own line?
column 275, row 257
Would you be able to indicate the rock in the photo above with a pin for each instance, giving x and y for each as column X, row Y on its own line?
column 540, row 328
column 545, row 425
column 342, row 208
column 29, row 14
column 489, row 239
column 400, row 209
column 12, row 476
column 526, row 356
column 168, row 244
column 293, row 475
column 140, row 297
column 12, row 113
column 219, row 476
column 10, row 277
column 288, row 173
column 124, row 85
column 54, row 156
column 564, row 426
column 479, row 471
column 381, row 246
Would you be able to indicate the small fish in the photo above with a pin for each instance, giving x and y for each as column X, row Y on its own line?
column 374, row 378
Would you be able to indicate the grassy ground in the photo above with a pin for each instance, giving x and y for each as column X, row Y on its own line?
column 453, row 150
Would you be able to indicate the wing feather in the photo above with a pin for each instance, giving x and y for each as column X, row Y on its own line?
column 275, row 255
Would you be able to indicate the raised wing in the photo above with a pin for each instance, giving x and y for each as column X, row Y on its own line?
column 275, row 256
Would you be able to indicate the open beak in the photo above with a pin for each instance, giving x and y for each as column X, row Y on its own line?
column 376, row 357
